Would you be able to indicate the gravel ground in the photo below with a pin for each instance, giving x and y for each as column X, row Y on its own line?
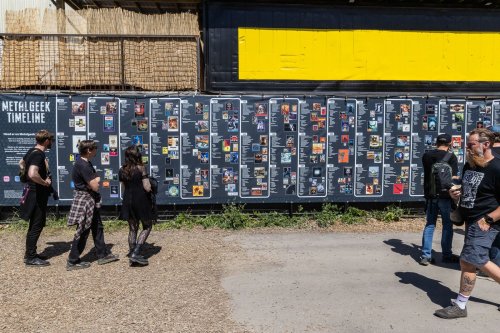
column 180, row 291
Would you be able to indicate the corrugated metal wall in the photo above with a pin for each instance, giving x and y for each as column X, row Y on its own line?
column 19, row 5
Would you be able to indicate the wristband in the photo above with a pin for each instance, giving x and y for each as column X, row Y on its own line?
column 488, row 219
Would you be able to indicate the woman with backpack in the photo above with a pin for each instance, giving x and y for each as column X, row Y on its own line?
column 138, row 203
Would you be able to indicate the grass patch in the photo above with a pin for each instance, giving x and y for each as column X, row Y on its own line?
column 234, row 217
column 389, row 214
column 328, row 215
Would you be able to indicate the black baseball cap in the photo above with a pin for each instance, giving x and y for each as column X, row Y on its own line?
column 443, row 138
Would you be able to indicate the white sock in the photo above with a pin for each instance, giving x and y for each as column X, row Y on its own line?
column 461, row 301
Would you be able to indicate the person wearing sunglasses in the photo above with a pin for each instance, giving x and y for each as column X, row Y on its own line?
column 479, row 203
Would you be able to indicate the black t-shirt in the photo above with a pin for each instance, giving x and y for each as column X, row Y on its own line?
column 495, row 151
column 432, row 157
column 480, row 191
column 37, row 158
column 83, row 173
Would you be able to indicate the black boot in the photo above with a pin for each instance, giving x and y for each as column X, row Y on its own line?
column 137, row 258
column 131, row 247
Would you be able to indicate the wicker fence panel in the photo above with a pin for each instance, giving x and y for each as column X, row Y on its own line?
column 94, row 49
column 99, row 62
column 20, row 62
column 161, row 65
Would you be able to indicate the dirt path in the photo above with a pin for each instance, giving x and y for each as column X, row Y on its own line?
column 180, row 291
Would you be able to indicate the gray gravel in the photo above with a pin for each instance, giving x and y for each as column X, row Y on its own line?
column 350, row 282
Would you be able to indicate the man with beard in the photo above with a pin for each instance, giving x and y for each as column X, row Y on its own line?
column 39, row 187
column 479, row 203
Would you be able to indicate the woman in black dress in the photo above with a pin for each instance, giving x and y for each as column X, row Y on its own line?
column 137, row 203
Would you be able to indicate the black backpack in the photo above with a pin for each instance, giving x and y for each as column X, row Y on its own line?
column 23, row 172
column 154, row 185
column 441, row 178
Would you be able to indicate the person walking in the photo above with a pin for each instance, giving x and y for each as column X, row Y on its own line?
column 137, row 203
column 479, row 203
column 438, row 201
column 495, row 149
column 39, row 187
column 84, row 212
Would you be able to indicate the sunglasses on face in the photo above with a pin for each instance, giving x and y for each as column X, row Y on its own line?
column 471, row 144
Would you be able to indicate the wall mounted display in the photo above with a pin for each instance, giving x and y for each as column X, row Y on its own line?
column 244, row 149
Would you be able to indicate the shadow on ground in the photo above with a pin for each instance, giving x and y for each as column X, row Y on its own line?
column 437, row 293
column 91, row 256
column 55, row 249
column 414, row 251
column 150, row 250
column 398, row 246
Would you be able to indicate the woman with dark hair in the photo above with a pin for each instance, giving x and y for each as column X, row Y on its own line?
column 137, row 203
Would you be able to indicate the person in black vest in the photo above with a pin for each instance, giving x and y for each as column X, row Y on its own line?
column 34, row 209
column 436, row 204
column 480, row 206
column 137, row 204
column 84, row 212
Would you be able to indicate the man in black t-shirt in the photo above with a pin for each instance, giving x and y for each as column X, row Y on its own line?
column 480, row 206
column 495, row 149
column 495, row 247
column 436, row 204
column 34, row 209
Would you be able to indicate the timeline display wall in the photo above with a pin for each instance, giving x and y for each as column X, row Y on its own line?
column 243, row 149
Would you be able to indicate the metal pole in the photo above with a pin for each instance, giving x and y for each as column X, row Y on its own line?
column 198, row 65
column 122, row 78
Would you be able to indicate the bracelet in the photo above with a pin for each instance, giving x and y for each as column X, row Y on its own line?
column 488, row 219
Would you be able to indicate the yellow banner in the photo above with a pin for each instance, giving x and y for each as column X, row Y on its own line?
column 290, row 54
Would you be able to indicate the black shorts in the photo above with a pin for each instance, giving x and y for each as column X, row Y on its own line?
column 477, row 244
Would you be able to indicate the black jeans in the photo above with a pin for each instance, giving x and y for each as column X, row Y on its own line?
column 81, row 237
column 37, row 219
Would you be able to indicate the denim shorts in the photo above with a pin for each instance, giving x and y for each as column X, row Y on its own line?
column 477, row 244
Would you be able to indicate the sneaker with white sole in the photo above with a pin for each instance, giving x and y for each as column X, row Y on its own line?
column 424, row 261
column 451, row 312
